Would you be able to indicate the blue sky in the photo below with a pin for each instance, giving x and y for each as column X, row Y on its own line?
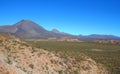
column 71, row 16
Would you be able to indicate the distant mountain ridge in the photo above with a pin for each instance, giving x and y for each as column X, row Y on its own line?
column 98, row 36
column 28, row 29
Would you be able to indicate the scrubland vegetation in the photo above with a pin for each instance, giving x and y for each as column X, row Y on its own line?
column 106, row 54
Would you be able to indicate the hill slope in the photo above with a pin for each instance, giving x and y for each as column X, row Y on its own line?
column 17, row 57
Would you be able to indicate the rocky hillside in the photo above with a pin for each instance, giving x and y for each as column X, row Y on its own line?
column 16, row 57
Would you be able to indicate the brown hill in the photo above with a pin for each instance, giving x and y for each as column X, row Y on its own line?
column 29, row 29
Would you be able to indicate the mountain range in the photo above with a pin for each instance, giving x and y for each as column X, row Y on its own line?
column 27, row 29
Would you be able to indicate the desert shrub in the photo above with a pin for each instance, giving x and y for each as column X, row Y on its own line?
column 31, row 66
